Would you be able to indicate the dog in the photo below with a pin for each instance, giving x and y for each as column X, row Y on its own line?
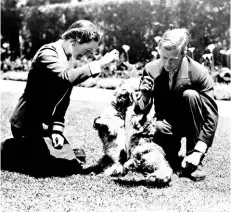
column 125, row 145
column 110, row 126
column 144, row 154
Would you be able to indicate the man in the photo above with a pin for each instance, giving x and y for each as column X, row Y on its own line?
column 182, row 91
column 42, row 107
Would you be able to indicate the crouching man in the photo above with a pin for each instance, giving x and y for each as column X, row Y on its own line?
column 182, row 93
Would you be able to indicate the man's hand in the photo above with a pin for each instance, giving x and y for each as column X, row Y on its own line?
column 146, row 86
column 164, row 127
column 109, row 57
column 57, row 140
column 135, row 121
column 193, row 159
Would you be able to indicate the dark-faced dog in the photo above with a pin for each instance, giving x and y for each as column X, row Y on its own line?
column 110, row 127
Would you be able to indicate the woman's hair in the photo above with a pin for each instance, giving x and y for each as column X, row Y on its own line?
column 175, row 39
column 82, row 31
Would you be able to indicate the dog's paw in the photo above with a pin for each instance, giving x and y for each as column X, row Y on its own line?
column 115, row 170
column 129, row 165
column 136, row 123
column 150, row 177
column 160, row 176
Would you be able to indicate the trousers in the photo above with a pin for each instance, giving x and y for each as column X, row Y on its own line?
column 185, row 115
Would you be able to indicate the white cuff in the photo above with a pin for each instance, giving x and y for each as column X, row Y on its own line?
column 58, row 126
column 94, row 67
column 201, row 147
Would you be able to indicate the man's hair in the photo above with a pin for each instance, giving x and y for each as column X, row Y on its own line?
column 175, row 39
column 82, row 31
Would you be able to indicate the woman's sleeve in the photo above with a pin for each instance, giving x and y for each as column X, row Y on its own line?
column 49, row 59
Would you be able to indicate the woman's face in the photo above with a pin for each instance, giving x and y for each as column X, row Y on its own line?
column 78, row 50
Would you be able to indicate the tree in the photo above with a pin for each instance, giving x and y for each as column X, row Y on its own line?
column 207, row 20
column 11, row 24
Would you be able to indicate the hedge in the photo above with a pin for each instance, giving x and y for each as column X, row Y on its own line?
column 132, row 22
column 122, row 22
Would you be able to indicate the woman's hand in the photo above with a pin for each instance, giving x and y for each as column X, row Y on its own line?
column 109, row 57
column 57, row 140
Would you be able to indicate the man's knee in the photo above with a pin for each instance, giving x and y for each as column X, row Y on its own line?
column 191, row 95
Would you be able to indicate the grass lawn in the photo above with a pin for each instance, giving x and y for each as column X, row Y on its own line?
column 20, row 192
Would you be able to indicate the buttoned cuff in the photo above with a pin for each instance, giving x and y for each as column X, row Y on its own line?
column 58, row 127
column 201, row 147
column 94, row 68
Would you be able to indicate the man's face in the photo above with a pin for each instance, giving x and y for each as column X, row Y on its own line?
column 78, row 50
column 171, row 59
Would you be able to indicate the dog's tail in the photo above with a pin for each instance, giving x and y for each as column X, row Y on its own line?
column 96, row 124
column 100, row 123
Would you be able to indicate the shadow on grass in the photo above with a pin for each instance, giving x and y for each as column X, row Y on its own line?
column 34, row 158
column 137, row 183
column 95, row 169
column 125, row 180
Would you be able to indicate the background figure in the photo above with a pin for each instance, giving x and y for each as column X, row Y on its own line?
column 41, row 108
column 182, row 90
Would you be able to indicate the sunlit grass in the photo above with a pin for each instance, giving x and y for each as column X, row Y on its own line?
column 99, row 193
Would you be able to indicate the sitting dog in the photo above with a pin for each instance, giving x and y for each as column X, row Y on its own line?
column 110, row 126
column 121, row 139
column 145, row 155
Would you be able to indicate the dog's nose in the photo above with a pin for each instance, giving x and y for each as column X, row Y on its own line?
column 138, row 156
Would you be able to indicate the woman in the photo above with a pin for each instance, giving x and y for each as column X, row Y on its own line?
column 41, row 108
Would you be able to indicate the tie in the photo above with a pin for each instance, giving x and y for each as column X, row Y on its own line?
column 171, row 75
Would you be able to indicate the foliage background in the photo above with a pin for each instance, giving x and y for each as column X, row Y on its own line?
column 136, row 23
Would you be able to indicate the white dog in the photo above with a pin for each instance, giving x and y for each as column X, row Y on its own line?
column 110, row 126
column 145, row 155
